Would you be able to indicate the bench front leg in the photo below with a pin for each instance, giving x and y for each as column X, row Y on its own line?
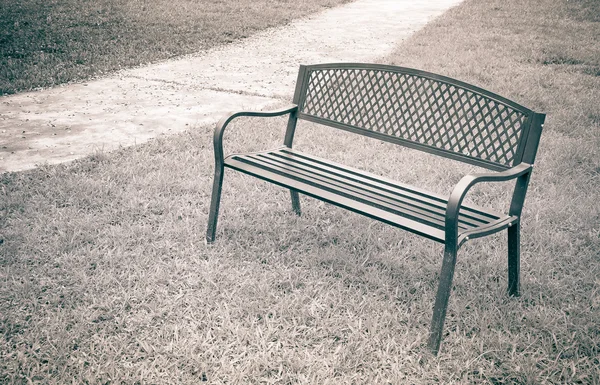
column 215, row 201
column 448, row 265
column 442, row 298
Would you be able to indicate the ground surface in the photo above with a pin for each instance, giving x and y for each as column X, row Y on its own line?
column 132, row 106
column 105, row 276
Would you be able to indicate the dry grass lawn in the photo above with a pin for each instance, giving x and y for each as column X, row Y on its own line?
column 105, row 277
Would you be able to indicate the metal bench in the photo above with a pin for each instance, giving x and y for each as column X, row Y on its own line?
column 411, row 108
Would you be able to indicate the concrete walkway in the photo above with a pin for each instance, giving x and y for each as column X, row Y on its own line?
column 71, row 121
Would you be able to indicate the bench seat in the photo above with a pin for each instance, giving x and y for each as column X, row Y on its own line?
column 416, row 210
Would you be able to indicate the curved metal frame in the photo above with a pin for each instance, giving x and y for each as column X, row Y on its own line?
column 424, row 74
column 219, row 161
column 454, row 240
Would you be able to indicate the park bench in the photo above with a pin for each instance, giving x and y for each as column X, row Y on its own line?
column 415, row 109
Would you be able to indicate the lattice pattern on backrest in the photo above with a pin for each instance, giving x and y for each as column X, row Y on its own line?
column 416, row 108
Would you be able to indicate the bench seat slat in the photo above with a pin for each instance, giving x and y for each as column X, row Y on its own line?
column 348, row 191
column 335, row 199
column 477, row 212
column 434, row 206
column 412, row 209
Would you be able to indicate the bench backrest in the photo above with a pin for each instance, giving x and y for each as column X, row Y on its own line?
column 421, row 110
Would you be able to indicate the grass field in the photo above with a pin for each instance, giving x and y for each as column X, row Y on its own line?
column 44, row 43
column 105, row 276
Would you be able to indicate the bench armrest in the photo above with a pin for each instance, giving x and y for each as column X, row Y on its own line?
column 521, row 171
column 222, row 124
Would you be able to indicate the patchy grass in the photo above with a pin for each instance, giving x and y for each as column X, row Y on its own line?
column 44, row 43
column 105, row 277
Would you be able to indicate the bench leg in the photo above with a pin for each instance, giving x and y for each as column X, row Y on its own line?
column 295, row 201
column 514, row 260
column 441, row 300
column 214, row 206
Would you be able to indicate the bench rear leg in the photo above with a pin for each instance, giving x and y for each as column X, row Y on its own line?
column 295, row 202
column 514, row 260
column 441, row 300
column 214, row 206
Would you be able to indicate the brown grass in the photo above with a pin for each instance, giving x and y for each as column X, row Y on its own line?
column 105, row 277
